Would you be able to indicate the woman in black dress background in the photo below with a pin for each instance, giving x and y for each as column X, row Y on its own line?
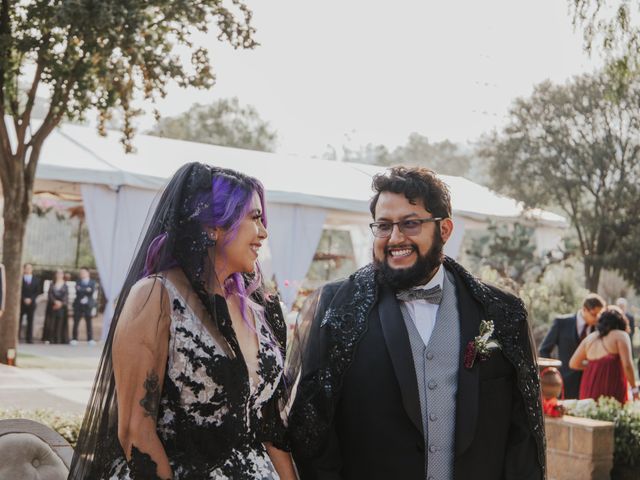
column 56, row 329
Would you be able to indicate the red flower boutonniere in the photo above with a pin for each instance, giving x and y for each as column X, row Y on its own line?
column 480, row 348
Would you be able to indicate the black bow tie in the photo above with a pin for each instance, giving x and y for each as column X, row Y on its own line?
column 432, row 295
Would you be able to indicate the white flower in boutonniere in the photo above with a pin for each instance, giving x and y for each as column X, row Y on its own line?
column 480, row 348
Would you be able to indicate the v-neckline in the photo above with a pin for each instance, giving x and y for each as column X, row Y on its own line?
column 253, row 386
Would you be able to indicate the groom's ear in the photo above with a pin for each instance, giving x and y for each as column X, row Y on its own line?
column 446, row 229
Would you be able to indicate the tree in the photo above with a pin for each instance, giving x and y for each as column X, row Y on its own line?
column 443, row 157
column 577, row 147
column 510, row 251
column 224, row 122
column 89, row 55
column 610, row 27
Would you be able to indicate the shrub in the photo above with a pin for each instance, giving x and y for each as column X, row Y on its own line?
column 627, row 427
column 66, row 424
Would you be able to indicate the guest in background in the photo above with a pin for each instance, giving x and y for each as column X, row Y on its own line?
column 624, row 306
column 30, row 290
column 83, row 305
column 605, row 357
column 56, row 328
column 566, row 333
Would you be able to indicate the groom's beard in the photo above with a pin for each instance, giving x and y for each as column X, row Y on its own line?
column 418, row 273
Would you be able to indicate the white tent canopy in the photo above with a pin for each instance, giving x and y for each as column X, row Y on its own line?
column 303, row 196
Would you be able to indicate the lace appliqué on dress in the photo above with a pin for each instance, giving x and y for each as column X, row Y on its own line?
column 141, row 466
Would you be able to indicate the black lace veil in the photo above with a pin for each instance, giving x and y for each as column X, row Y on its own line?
column 174, row 237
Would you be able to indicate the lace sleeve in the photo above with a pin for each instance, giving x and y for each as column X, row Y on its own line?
column 301, row 367
column 272, row 428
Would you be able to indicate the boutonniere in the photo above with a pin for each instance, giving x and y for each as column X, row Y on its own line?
column 480, row 348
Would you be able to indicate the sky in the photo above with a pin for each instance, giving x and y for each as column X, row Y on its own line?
column 368, row 71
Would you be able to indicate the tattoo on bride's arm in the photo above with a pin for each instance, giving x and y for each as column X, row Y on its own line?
column 151, row 399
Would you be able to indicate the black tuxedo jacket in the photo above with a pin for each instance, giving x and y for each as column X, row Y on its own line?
column 30, row 290
column 367, row 424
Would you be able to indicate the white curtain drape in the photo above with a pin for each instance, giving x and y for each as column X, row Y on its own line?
column 115, row 219
column 294, row 233
column 362, row 242
column 452, row 247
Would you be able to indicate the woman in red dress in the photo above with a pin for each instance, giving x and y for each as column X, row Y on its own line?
column 605, row 357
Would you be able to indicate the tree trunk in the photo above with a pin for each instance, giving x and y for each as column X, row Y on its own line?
column 591, row 275
column 15, row 224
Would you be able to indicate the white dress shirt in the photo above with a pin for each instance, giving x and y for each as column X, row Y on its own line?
column 424, row 313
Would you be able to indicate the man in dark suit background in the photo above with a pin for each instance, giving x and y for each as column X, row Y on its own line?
column 566, row 333
column 30, row 290
column 390, row 383
column 83, row 305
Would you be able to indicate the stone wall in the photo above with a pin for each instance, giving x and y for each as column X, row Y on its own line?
column 579, row 448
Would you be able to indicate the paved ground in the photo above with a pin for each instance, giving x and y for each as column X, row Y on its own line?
column 58, row 377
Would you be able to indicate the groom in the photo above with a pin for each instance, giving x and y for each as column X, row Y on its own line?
column 412, row 368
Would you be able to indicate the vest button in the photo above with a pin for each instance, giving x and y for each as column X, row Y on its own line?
column 433, row 417
column 433, row 448
column 429, row 355
column 432, row 384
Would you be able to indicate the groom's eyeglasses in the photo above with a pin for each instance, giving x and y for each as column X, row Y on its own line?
column 409, row 227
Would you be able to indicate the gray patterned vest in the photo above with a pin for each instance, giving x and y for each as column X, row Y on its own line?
column 436, row 367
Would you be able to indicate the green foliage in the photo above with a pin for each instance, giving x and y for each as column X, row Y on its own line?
column 627, row 427
column 506, row 255
column 610, row 27
column 225, row 122
column 576, row 147
column 100, row 54
column 507, row 249
column 66, row 424
column 443, row 157
column 557, row 292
